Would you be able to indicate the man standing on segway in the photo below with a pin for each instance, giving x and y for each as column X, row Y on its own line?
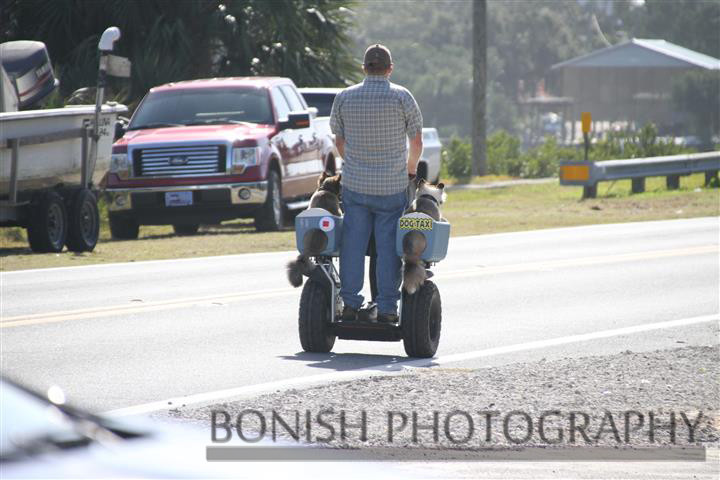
column 371, row 121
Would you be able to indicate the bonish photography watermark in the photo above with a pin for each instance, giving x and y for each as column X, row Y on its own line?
column 625, row 435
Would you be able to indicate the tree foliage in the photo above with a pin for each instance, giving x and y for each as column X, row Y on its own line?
column 699, row 92
column 431, row 46
column 169, row 40
column 694, row 24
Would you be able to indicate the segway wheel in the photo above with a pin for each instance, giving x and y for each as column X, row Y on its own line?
column 314, row 318
column 421, row 321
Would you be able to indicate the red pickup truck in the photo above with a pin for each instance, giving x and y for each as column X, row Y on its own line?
column 204, row 151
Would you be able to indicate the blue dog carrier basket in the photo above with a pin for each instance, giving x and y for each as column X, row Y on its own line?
column 321, row 220
column 437, row 235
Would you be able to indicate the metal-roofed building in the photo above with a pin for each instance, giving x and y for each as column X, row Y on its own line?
column 630, row 82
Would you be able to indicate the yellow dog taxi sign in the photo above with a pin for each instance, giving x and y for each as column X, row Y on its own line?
column 416, row 223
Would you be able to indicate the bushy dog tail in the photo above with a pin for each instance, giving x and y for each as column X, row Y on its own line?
column 297, row 268
column 314, row 242
column 414, row 274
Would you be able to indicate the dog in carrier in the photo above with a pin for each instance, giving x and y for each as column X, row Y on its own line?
column 327, row 197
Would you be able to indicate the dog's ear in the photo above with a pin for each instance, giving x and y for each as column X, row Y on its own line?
column 322, row 178
column 415, row 182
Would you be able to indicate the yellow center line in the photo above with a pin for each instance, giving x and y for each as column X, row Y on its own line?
column 50, row 317
column 99, row 312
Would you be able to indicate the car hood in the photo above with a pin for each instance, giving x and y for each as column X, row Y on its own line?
column 227, row 133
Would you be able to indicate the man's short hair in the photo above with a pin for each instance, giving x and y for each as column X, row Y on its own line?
column 377, row 59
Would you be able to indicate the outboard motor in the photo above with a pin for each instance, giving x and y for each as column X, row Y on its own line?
column 29, row 70
column 8, row 94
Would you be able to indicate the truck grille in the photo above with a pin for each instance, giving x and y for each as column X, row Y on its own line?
column 179, row 161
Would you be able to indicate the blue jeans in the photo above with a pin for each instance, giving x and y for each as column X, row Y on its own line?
column 363, row 215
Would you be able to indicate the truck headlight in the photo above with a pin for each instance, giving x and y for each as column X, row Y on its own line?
column 120, row 165
column 244, row 157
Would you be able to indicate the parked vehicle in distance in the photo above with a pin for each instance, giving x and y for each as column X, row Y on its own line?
column 429, row 164
column 322, row 99
column 205, row 151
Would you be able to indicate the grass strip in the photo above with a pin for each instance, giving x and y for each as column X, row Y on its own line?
column 471, row 212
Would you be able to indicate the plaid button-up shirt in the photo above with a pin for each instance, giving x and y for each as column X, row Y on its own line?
column 375, row 118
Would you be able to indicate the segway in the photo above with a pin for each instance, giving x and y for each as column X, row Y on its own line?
column 320, row 313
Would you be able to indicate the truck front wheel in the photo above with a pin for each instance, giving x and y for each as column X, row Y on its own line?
column 47, row 229
column 270, row 216
column 84, row 222
column 123, row 228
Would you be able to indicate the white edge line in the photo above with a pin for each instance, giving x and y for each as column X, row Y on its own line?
column 468, row 238
column 398, row 367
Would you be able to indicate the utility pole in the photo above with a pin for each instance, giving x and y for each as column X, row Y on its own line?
column 479, row 162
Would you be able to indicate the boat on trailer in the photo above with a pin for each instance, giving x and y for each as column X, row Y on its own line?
column 52, row 160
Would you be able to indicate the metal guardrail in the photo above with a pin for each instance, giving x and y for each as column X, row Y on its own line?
column 589, row 174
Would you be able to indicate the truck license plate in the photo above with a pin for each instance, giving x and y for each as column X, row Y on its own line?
column 178, row 199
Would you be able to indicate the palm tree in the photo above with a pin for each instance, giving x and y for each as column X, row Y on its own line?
column 169, row 40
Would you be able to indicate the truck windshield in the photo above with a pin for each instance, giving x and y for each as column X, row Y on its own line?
column 199, row 107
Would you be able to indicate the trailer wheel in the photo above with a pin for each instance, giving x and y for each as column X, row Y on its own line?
column 186, row 229
column 123, row 228
column 314, row 318
column 84, row 222
column 421, row 321
column 270, row 217
column 47, row 229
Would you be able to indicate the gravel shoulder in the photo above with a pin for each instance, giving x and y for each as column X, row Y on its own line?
column 605, row 395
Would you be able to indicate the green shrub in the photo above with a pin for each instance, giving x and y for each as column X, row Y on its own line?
column 505, row 158
column 457, row 158
column 543, row 160
column 503, row 154
column 644, row 143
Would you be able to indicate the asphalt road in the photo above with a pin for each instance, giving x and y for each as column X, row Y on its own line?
column 117, row 336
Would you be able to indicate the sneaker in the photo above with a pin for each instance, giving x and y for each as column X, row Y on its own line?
column 368, row 314
column 387, row 318
column 349, row 314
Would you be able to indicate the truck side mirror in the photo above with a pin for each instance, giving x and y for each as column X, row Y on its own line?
column 120, row 128
column 296, row 120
